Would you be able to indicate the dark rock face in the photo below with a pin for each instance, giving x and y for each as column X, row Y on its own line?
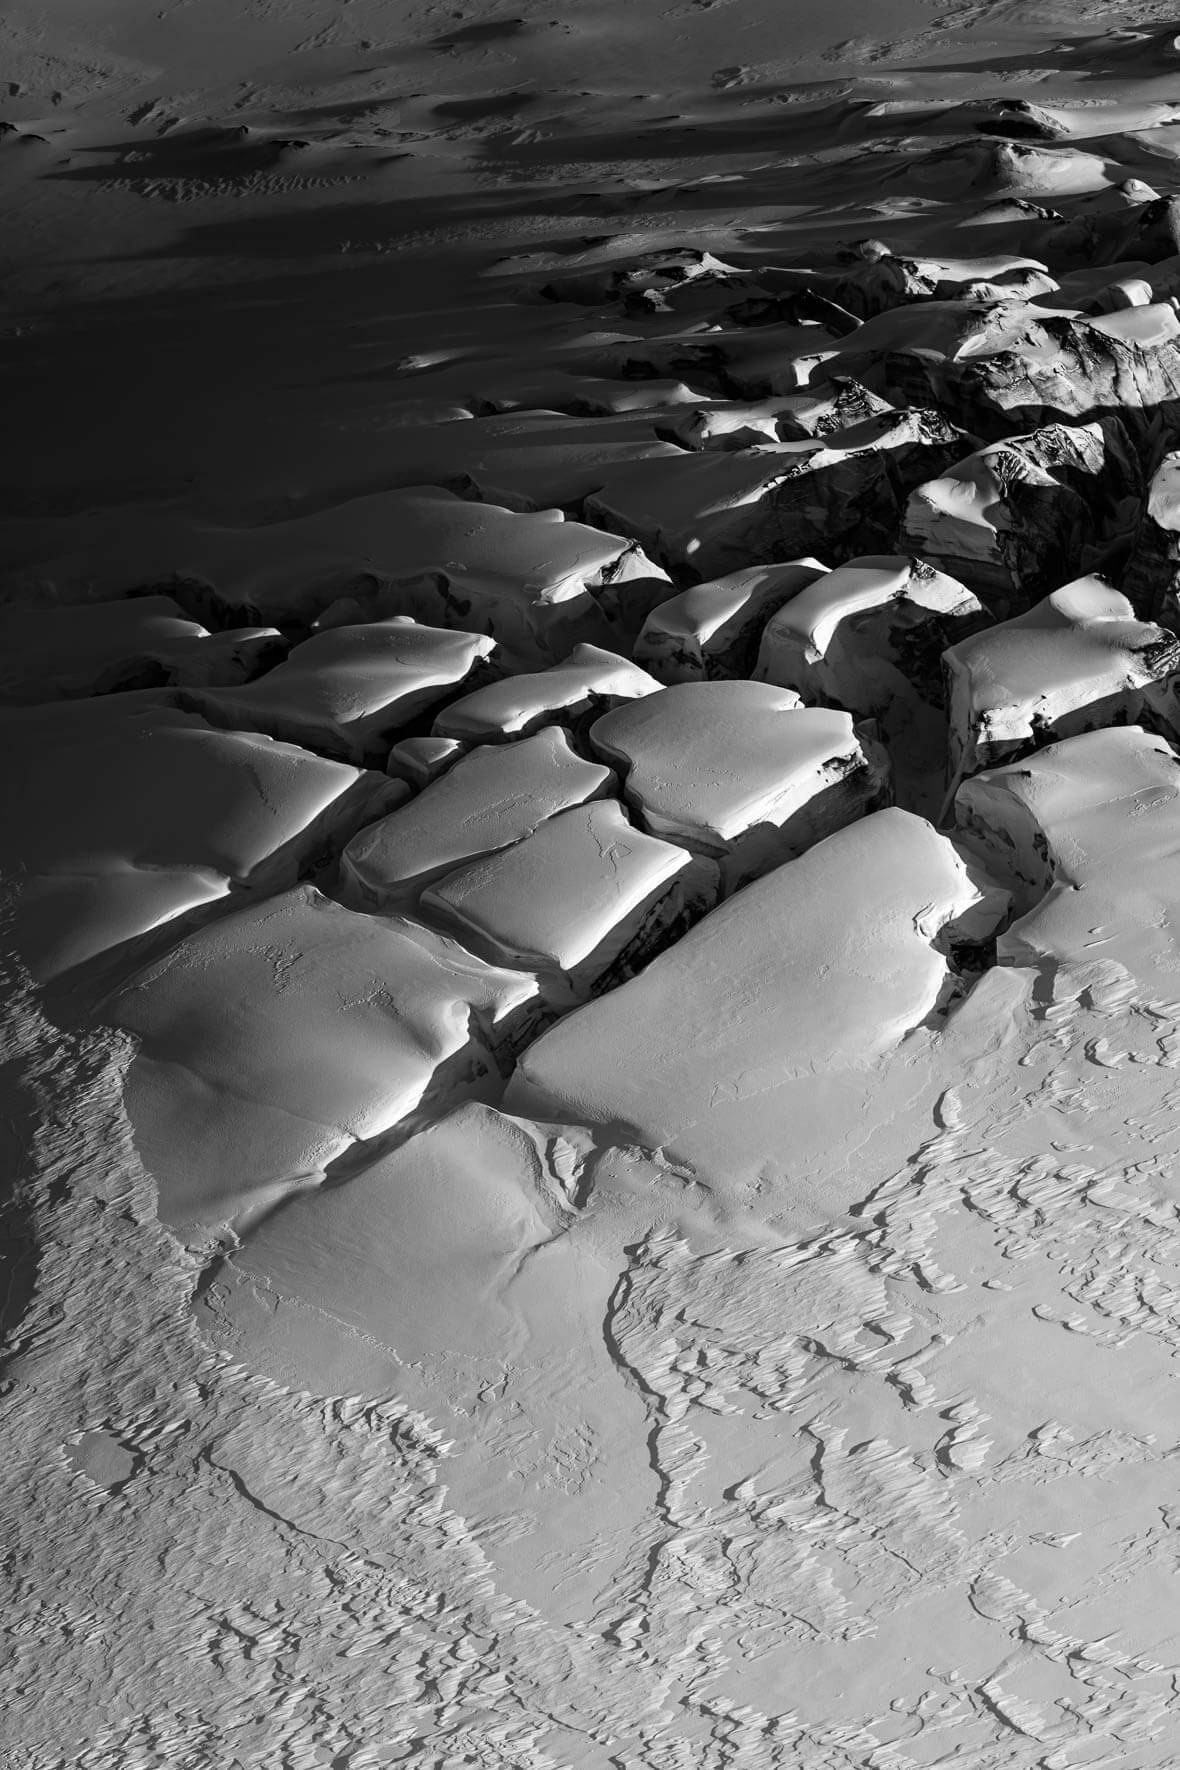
column 1152, row 577
column 1017, row 517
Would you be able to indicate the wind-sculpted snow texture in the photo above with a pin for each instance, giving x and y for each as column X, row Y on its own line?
column 591, row 879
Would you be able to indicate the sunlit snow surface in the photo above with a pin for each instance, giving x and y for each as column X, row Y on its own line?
column 591, row 874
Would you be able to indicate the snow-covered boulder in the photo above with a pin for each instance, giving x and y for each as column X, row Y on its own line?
column 740, row 773
column 492, row 797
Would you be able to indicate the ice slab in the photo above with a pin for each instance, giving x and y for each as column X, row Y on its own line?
column 589, row 681
column 724, row 1050
column 583, row 901
column 276, row 1039
column 738, row 772
column 417, row 1250
column 1076, row 661
column 1087, row 832
column 490, row 798
column 713, row 629
column 868, row 634
column 1152, row 576
column 126, row 814
column 349, row 691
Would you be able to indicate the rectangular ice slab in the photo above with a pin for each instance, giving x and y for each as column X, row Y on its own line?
column 738, row 772
column 125, row 814
column 349, row 690
column 583, row 901
column 720, row 1050
column 1079, row 659
column 713, row 629
column 490, row 798
column 588, row 682
column 274, row 1040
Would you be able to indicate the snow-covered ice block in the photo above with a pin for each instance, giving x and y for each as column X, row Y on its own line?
column 422, row 759
column 1022, row 513
column 125, row 814
column 869, row 633
column 744, row 1041
column 350, row 690
column 495, row 795
column 713, row 512
column 588, row 682
column 713, row 629
column 1087, row 832
column 740, row 773
column 105, row 647
column 527, row 579
column 583, row 901
column 274, row 1040
column 1076, row 661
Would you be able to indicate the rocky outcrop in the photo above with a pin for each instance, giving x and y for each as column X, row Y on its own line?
column 1152, row 576
column 1020, row 515
column 711, row 513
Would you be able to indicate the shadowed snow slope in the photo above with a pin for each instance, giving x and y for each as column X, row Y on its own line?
column 127, row 813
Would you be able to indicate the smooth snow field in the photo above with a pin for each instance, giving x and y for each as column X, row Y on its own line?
column 590, row 714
